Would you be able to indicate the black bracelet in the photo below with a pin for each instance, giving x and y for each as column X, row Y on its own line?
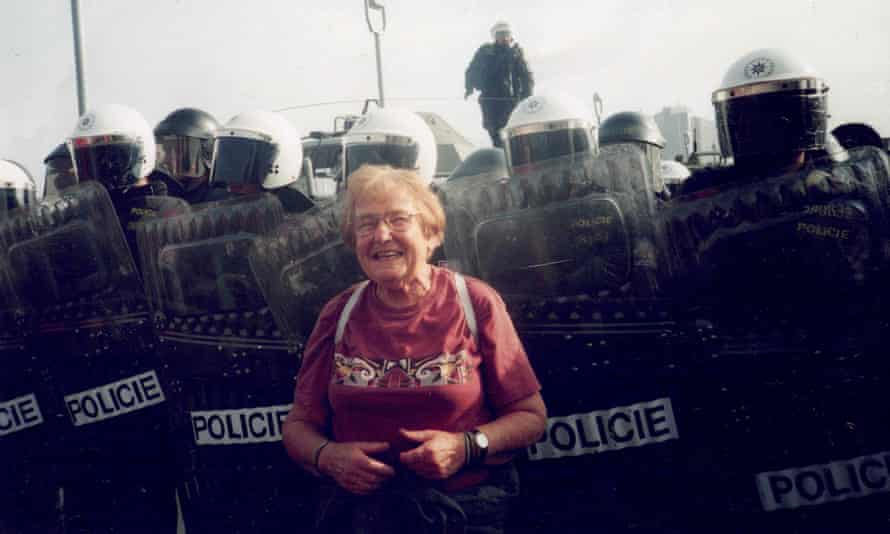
column 466, row 449
column 317, row 454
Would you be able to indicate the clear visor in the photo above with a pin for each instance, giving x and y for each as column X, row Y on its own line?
column 185, row 158
column 399, row 156
column 113, row 160
column 238, row 161
column 530, row 149
column 15, row 198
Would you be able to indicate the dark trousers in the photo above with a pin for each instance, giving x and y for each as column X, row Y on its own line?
column 495, row 114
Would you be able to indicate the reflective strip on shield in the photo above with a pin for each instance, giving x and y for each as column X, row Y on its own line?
column 819, row 484
column 114, row 399
column 239, row 427
column 617, row 428
column 19, row 413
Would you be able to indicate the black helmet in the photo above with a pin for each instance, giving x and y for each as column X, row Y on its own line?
column 185, row 145
column 854, row 134
column 769, row 108
column 488, row 161
column 630, row 127
column 59, row 170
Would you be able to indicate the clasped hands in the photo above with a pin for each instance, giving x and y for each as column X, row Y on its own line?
column 437, row 456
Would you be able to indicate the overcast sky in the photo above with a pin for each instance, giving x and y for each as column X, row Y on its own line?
column 228, row 56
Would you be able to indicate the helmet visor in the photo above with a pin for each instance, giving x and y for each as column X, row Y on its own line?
column 238, row 161
column 113, row 160
column 12, row 198
column 771, row 124
column 529, row 149
column 185, row 158
column 399, row 156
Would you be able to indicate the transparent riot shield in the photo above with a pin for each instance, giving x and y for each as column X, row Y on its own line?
column 28, row 468
column 69, row 261
column 780, row 423
column 574, row 250
column 303, row 264
column 229, row 369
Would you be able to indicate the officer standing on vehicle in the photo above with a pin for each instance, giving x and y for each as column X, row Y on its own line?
column 499, row 71
column 185, row 148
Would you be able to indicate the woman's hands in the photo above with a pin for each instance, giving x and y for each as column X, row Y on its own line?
column 351, row 467
column 439, row 455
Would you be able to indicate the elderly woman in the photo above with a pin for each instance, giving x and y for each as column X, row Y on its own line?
column 414, row 386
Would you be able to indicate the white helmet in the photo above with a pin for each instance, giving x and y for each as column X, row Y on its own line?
column 770, row 104
column 544, row 127
column 393, row 137
column 674, row 172
column 500, row 27
column 17, row 188
column 256, row 148
column 114, row 145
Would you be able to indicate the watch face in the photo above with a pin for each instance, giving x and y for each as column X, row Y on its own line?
column 481, row 440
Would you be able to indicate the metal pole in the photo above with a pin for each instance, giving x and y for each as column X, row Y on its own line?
column 377, row 30
column 78, row 58
column 379, row 69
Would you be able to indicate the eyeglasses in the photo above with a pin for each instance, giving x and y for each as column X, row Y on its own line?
column 397, row 221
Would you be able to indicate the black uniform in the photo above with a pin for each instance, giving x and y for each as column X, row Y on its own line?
column 500, row 73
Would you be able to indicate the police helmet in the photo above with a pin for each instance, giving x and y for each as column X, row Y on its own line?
column 630, row 127
column 114, row 145
column 482, row 161
column 256, row 149
column 501, row 28
column 59, row 171
column 185, row 145
column 770, row 104
column 854, row 134
column 17, row 187
column 674, row 173
column 544, row 127
column 393, row 137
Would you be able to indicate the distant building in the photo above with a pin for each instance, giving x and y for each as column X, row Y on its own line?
column 685, row 133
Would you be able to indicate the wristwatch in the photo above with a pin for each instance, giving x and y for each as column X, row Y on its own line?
column 479, row 449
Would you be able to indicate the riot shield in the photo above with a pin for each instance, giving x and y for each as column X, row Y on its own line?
column 781, row 429
column 30, row 489
column 303, row 264
column 573, row 249
column 229, row 369
column 69, row 261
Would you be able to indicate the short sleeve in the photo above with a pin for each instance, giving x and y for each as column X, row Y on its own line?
column 311, row 391
column 507, row 374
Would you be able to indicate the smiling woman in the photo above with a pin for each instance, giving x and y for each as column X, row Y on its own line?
column 415, row 390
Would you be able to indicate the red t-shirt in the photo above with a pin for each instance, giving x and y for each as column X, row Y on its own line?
column 413, row 368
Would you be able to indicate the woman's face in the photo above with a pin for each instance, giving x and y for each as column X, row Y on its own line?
column 390, row 243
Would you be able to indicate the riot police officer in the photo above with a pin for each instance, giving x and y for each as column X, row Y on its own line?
column 17, row 187
column 115, row 146
column 499, row 71
column 394, row 137
column 546, row 127
column 772, row 114
column 59, row 171
column 260, row 151
column 185, row 148
column 641, row 130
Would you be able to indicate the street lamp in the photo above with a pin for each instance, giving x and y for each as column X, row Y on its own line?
column 377, row 28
